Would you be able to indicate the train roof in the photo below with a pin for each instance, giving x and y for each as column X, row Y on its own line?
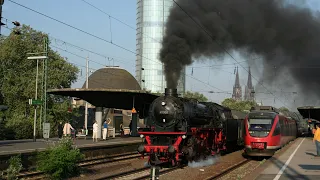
column 264, row 108
column 239, row 114
column 310, row 112
column 270, row 109
column 220, row 107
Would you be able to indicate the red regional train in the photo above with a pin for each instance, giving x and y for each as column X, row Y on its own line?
column 267, row 130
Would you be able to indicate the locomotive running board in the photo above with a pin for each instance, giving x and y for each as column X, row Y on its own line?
column 163, row 133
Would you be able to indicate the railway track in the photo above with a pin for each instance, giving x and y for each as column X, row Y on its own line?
column 85, row 163
column 229, row 169
column 144, row 173
column 138, row 174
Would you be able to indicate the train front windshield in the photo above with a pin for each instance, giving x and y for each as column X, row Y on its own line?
column 259, row 126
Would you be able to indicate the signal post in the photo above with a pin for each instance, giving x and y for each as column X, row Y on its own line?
column 134, row 122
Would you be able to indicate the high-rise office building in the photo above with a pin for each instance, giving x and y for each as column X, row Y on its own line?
column 151, row 18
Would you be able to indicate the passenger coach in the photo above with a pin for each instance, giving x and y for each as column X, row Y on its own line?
column 267, row 130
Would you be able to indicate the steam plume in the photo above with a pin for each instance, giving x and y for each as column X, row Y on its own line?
column 203, row 162
column 284, row 35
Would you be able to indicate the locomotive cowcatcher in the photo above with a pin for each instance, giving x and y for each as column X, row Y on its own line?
column 181, row 130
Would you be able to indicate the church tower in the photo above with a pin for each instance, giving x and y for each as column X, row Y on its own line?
column 248, row 95
column 237, row 91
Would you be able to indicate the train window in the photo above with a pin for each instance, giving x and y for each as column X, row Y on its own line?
column 259, row 127
column 277, row 129
column 281, row 126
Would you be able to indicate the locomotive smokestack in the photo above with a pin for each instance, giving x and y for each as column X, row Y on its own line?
column 170, row 92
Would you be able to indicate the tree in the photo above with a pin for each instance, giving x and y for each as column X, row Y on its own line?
column 195, row 95
column 283, row 109
column 238, row 105
column 18, row 77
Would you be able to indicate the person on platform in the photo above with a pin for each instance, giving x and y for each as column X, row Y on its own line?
column 314, row 129
column 316, row 139
column 67, row 129
column 95, row 132
column 130, row 126
column 121, row 130
column 105, row 128
column 60, row 130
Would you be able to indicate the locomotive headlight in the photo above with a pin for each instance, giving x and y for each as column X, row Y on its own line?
column 141, row 135
column 163, row 103
column 184, row 136
column 171, row 149
column 141, row 149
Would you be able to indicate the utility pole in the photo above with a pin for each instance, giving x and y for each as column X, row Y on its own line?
column 45, row 80
column 42, row 96
column 42, row 84
column 35, row 107
column 87, row 86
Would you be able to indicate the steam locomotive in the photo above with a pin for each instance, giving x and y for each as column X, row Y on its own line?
column 181, row 130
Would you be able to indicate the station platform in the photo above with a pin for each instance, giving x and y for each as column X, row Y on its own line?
column 26, row 146
column 297, row 162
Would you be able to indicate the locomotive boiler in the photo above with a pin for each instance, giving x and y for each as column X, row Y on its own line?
column 172, row 113
column 183, row 129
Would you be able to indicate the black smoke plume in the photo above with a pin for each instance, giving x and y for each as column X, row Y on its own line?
column 286, row 36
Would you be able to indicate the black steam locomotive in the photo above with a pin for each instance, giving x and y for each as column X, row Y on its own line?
column 185, row 129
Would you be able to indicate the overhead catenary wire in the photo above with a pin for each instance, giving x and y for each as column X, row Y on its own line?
column 100, row 38
column 112, row 17
column 56, row 40
column 73, row 27
column 109, row 73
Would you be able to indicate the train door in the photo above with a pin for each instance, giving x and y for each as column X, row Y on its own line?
column 117, row 120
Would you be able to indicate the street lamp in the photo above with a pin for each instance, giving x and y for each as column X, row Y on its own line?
column 36, row 94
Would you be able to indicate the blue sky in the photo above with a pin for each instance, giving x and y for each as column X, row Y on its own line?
column 81, row 15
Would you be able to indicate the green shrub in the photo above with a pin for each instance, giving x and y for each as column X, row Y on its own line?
column 14, row 168
column 22, row 126
column 60, row 161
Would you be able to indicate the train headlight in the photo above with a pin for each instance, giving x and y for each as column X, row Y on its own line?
column 184, row 136
column 141, row 135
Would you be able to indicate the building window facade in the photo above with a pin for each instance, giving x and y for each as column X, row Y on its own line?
column 151, row 18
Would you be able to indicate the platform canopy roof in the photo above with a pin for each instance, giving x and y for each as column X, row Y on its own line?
column 111, row 98
column 310, row 112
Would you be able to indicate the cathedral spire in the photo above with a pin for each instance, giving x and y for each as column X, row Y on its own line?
column 248, row 95
column 237, row 92
column 249, row 84
column 237, row 82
